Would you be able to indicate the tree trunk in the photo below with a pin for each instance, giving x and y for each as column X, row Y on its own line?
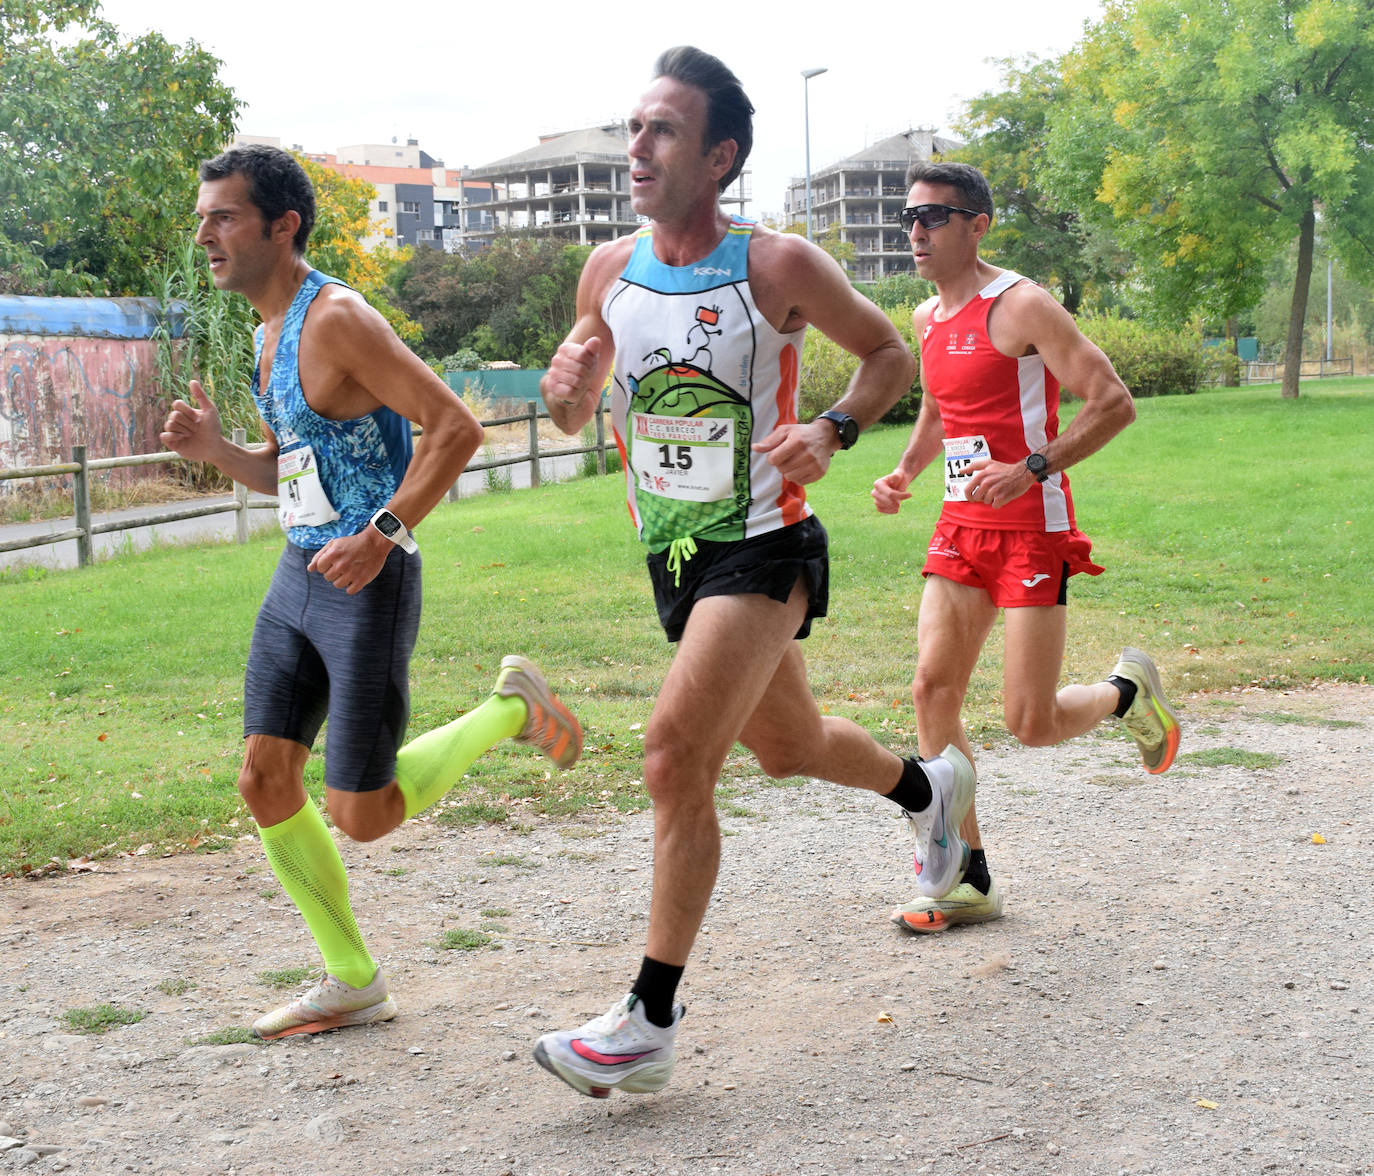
column 1231, row 377
column 1297, row 315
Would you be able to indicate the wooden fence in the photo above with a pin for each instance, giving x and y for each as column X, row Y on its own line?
column 1256, row 372
column 81, row 468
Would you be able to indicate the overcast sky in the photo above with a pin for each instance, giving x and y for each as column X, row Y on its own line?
column 475, row 82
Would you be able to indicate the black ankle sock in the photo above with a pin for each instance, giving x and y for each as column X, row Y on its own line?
column 656, row 987
column 1127, row 688
column 976, row 875
column 913, row 789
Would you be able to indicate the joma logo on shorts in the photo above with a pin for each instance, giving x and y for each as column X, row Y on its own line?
column 709, row 271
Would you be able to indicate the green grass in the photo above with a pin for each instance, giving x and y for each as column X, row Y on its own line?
column 1231, row 757
column 1234, row 526
column 100, row 1018
column 461, row 939
column 286, row 977
column 232, row 1036
column 176, row 986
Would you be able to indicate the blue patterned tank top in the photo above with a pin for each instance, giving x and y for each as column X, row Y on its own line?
column 361, row 462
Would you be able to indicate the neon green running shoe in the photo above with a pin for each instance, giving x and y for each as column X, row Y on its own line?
column 964, row 904
column 1150, row 720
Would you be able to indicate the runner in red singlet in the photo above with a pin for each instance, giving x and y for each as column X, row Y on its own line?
column 994, row 349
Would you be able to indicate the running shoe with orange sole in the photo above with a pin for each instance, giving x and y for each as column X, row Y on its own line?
column 1149, row 720
column 550, row 726
column 964, row 904
column 329, row 1004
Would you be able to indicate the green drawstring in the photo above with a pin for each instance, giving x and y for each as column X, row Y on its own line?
column 679, row 551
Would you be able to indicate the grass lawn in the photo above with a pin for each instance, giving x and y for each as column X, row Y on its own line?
column 1234, row 526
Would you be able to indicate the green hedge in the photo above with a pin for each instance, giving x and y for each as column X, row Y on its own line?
column 1149, row 360
column 827, row 368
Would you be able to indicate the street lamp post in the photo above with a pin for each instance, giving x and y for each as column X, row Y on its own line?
column 807, row 75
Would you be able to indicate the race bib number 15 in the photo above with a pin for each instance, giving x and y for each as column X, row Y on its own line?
column 688, row 458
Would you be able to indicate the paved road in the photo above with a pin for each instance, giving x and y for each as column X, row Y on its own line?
column 216, row 526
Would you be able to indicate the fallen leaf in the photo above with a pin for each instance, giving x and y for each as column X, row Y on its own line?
column 885, row 1019
column 1207, row 1104
column 1318, row 839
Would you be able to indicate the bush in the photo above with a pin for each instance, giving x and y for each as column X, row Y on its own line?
column 827, row 369
column 1150, row 361
column 465, row 359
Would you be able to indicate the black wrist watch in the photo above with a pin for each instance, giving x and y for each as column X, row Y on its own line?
column 1038, row 466
column 846, row 426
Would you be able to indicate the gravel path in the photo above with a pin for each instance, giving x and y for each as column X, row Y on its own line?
column 1182, row 984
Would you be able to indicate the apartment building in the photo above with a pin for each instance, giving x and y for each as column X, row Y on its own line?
column 860, row 197
column 418, row 201
column 574, row 186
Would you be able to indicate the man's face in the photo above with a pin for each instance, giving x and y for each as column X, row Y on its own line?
column 234, row 234
column 950, row 248
column 671, row 171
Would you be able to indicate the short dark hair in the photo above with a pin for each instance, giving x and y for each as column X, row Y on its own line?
column 277, row 183
column 973, row 188
column 729, row 113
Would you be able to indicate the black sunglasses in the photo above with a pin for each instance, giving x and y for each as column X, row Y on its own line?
column 930, row 216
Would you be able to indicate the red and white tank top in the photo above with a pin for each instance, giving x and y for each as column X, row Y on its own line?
column 1003, row 407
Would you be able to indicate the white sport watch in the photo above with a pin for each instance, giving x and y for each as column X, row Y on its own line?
column 395, row 530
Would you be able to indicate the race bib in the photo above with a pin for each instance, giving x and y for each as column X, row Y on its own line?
column 960, row 455
column 688, row 458
column 301, row 499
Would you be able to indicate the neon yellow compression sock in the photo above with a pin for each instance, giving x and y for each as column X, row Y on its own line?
column 306, row 861
column 428, row 766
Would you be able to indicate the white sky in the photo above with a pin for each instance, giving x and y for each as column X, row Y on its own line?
column 475, row 82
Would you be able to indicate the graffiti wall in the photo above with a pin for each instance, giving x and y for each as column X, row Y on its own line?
column 78, row 371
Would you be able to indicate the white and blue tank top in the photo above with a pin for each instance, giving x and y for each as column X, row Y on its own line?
column 699, row 376
column 361, row 462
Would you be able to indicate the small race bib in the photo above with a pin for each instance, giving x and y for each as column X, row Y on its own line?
column 687, row 458
column 960, row 455
column 301, row 499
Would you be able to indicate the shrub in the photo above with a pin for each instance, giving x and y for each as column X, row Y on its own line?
column 827, row 369
column 1150, row 361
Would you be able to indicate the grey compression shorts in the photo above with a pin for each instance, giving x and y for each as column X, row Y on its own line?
column 766, row 565
column 316, row 649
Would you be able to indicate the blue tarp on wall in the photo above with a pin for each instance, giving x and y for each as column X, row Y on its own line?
column 87, row 318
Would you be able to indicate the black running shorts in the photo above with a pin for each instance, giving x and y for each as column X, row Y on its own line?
column 766, row 565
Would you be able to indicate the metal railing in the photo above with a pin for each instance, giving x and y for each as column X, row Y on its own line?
column 80, row 468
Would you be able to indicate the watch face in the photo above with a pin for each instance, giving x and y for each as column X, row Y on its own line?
column 846, row 426
column 388, row 524
column 1036, row 463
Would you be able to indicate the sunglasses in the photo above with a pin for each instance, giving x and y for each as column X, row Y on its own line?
column 930, row 216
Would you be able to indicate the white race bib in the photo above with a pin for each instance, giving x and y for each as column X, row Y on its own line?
column 689, row 458
column 301, row 500
column 960, row 454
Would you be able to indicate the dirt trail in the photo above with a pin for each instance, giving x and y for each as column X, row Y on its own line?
column 1181, row 984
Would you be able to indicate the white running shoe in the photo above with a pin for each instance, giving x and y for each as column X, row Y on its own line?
column 619, row 1050
column 964, row 904
column 941, row 853
column 329, row 1004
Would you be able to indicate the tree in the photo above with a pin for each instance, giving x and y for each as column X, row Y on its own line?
column 343, row 217
column 1212, row 134
column 1005, row 140
column 99, row 142
column 513, row 300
